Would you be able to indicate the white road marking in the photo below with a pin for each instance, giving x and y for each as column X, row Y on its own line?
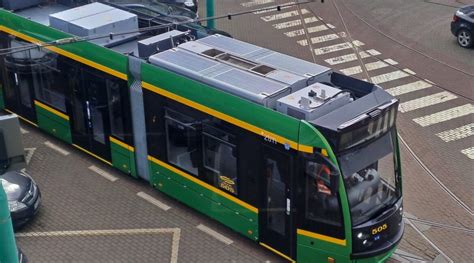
column 469, row 152
column 56, row 148
column 215, row 234
column 369, row 66
column 457, row 134
column 390, row 61
column 337, row 47
column 373, row 52
column 409, row 71
column 293, row 23
column 273, row 9
column 426, row 101
column 153, row 201
column 175, row 246
column 23, row 131
column 389, row 77
column 429, row 81
column 445, row 115
column 257, row 2
column 114, row 232
column 407, row 88
column 29, row 154
column 317, row 40
column 109, row 232
column 103, row 173
column 347, row 58
column 301, row 32
column 289, row 14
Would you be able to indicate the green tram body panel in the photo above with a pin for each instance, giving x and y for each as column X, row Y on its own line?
column 199, row 196
column 205, row 201
column 53, row 124
column 123, row 159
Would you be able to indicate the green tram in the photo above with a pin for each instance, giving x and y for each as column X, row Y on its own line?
column 301, row 159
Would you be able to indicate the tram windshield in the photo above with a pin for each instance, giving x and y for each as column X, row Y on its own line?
column 371, row 178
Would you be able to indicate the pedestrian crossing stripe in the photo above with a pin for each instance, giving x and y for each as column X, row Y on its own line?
column 294, row 23
column 445, row 115
column 289, row 14
column 457, row 134
column 426, row 101
column 407, row 88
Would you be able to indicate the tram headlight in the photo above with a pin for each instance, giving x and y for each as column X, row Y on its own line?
column 367, row 243
column 361, row 235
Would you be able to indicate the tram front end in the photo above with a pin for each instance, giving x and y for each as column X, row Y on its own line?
column 353, row 184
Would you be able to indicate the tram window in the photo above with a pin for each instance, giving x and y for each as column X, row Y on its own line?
column 49, row 82
column 275, row 204
column 182, row 141
column 322, row 201
column 37, row 68
column 220, row 161
column 115, row 109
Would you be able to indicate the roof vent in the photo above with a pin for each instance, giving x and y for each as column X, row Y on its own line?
column 212, row 52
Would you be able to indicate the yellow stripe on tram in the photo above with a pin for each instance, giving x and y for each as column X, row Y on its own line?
column 237, row 122
column 277, row 252
column 227, row 118
column 24, row 119
column 86, row 151
column 341, row 242
column 55, row 112
column 66, row 53
column 205, row 185
column 122, row 144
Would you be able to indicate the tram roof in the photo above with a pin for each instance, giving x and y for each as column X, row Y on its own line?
column 288, row 74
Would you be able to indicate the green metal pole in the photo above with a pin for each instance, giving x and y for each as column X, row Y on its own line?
column 210, row 13
column 8, row 250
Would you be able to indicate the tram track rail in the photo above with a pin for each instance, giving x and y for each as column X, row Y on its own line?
column 427, row 239
column 440, row 225
column 436, row 179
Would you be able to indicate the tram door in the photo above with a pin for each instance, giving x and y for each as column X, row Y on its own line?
column 276, row 231
column 90, row 112
column 19, row 90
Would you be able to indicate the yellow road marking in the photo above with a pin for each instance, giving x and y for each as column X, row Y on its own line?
column 114, row 232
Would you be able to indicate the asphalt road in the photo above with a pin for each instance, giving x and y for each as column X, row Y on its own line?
column 93, row 213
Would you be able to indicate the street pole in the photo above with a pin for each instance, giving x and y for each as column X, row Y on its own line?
column 210, row 13
column 8, row 250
